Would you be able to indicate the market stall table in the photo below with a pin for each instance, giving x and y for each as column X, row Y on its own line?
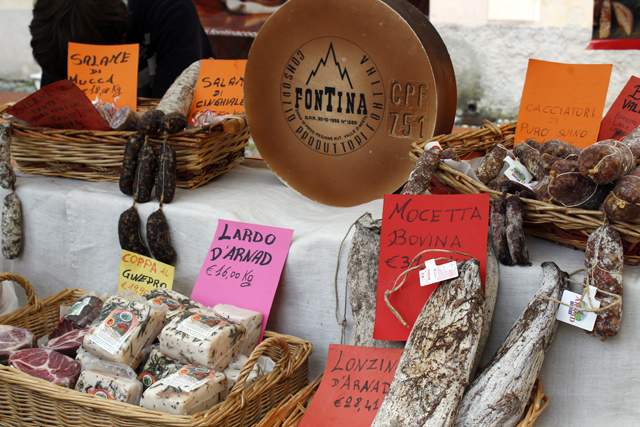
column 71, row 241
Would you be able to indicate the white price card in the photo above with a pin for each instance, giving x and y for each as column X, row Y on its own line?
column 433, row 273
column 573, row 315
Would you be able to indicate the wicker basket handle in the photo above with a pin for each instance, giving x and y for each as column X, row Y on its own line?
column 32, row 299
column 283, row 368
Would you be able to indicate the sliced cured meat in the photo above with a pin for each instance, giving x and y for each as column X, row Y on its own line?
column 48, row 365
column 68, row 343
column 13, row 338
column 82, row 314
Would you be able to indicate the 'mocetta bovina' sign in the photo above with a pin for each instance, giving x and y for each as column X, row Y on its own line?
column 335, row 93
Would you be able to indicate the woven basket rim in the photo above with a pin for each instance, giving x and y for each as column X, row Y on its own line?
column 576, row 224
column 295, row 353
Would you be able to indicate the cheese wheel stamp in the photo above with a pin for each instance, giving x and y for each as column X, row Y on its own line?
column 335, row 93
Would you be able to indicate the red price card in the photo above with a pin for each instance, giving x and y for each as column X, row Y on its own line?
column 624, row 114
column 354, row 384
column 453, row 224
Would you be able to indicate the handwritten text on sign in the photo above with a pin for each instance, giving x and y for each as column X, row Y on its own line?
column 412, row 224
column 220, row 87
column 243, row 266
column 106, row 72
column 141, row 274
column 563, row 101
column 59, row 105
column 355, row 382
column 624, row 114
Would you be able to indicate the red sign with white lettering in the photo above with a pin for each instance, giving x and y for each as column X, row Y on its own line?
column 412, row 224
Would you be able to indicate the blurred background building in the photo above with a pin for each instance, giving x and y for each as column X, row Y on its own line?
column 490, row 43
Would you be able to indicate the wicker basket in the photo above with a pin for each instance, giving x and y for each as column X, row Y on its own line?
column 202, row 153
column 290, row 412
column 567, row 226
column 30, row 401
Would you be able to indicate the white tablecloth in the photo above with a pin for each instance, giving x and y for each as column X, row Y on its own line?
column 71, row 241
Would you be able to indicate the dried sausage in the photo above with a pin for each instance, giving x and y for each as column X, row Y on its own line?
column 11, row 226
column 491, row 164
column 529, row 157
column 606, row 161
column 422, row 173
column 498, row 220
column 159, row 239
column 604, row 260
column 173, row 122
column 129, row 232
column 513, row 187
column 130, row 163
column 7, row 174
column 150, row 121
column 166, row 176
column 515, row 231
column 145, row 174
column 623, row 203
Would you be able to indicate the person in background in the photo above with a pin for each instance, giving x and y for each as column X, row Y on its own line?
column 169, row 33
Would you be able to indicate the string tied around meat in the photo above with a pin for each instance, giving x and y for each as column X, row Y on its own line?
column 405, row 273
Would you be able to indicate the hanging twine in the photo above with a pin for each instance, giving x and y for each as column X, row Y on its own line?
column 343, row 323
column 406, row 272
column 617, row 299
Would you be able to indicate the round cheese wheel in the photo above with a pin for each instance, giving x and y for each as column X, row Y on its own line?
column 336, row 91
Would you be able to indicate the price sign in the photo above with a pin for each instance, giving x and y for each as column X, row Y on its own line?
column 108, row 73
column 563, row 101
column 243, row 266
column 412, row 224
column 355, row 382
column 220, row 87
column 59, row 105
column 141, row 274
column 624, row 114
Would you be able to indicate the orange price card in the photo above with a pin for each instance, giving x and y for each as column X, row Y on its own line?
column 108, row 73
column 220, row 87
column 563, row 101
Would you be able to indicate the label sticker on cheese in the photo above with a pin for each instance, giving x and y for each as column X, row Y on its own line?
column 101, row 393
column 201, row 326
column 116, row 329
column 189, row 378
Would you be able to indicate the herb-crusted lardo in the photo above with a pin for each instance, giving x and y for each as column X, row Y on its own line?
column 109, row 386
column 189, row 390
column 201, row 337
column 122, row 330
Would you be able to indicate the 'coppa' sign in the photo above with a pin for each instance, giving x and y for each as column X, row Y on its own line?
column 142, row 274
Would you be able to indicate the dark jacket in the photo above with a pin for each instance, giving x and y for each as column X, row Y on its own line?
column 171, row 38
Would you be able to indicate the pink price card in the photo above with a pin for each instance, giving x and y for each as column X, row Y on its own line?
column 243, row 266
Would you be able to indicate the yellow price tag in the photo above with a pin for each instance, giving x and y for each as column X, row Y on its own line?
column 142, row 274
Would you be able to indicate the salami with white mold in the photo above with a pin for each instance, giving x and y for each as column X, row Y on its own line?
column 437, row 362
column 604, row 259
column 7, row 174
column 179, row 96
column 491, row 164
column 11, row 226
